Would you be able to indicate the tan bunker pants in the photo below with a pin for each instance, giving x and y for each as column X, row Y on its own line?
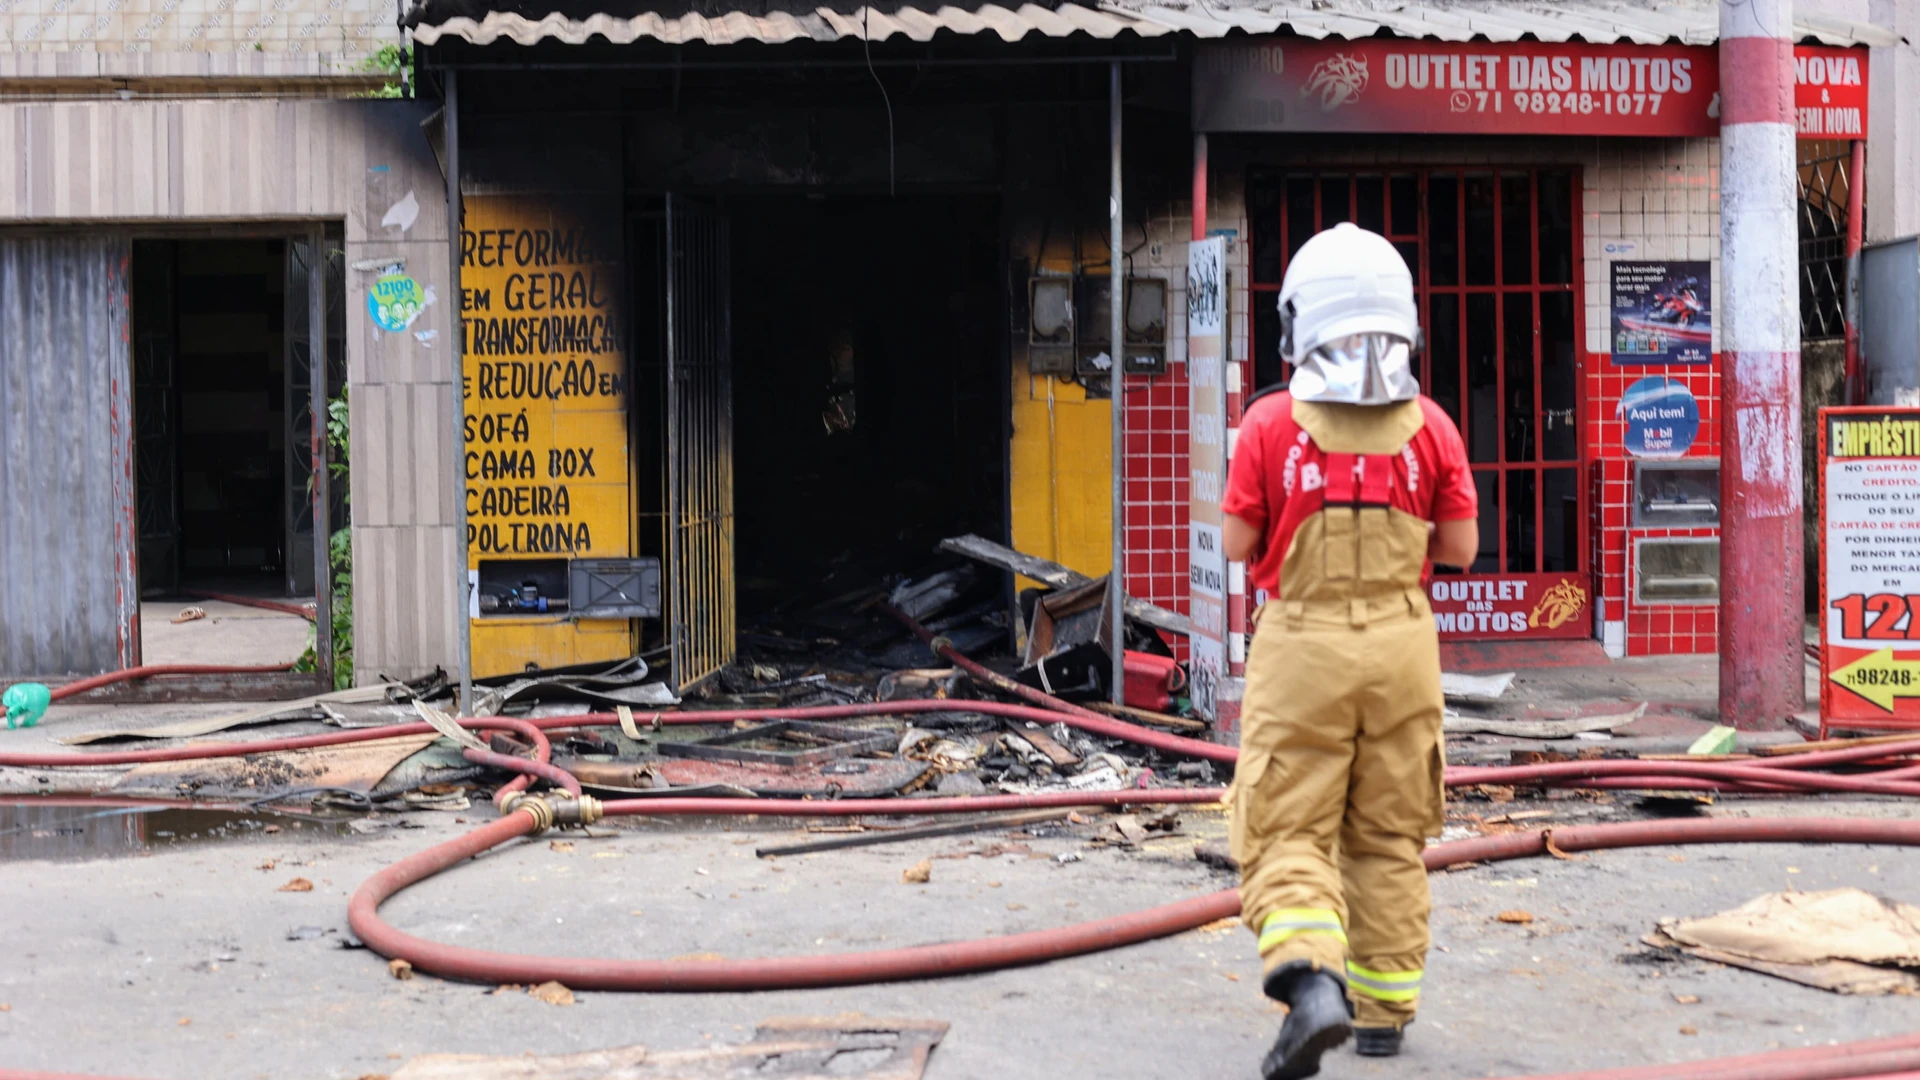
column 1339, row 784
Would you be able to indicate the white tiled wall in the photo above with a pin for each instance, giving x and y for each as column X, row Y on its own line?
column 1662, row 197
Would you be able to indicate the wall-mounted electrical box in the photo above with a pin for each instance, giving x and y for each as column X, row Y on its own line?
column 615, row 588
column 1676, row 570
column 1050, row 325
column 1145, row 326
column 573, row 588
column 1676, row 494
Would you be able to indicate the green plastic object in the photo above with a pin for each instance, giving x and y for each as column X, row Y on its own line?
column 26, row 703
column 1717, row 741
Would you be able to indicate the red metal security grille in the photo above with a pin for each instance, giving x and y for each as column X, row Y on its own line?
column 1496, row 256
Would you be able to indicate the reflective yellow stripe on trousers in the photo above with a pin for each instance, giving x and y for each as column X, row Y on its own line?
column 1285, row 923
column 1384, row 985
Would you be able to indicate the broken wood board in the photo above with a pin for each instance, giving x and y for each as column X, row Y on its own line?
column 1147, row 716
column 207, row 725
column 354, row 767
column 1038, row 738
column 1562, row 728
column 1050, row 573
column 1845, row 940
column 1478, row 688
column 1835, row 744
column 840, row 1048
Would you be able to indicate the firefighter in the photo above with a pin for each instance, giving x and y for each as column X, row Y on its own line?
column 1343, row 490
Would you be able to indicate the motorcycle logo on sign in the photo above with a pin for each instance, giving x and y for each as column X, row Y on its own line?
column 1558, row 607
column 1340, row 79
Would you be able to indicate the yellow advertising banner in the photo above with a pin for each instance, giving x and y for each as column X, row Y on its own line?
column 545, row 392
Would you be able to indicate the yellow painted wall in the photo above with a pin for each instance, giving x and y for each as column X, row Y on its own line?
column 1062, row 458
column 525, row 263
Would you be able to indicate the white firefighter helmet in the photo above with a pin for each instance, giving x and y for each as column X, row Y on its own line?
column 1347, row 319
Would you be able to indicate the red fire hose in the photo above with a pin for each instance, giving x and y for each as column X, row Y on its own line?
column 1035, row 947
column 304, row 611
column 1770, row 775
column 931, row 961
column 1787, row 773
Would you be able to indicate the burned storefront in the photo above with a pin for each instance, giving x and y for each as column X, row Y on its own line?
column 754, row 326
column 867, row 276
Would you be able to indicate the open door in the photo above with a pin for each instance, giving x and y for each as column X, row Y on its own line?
column 698, row 347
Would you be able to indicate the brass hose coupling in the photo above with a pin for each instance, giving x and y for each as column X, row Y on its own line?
column 584, row 810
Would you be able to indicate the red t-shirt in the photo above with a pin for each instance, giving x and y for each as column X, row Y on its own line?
column 1276, row 477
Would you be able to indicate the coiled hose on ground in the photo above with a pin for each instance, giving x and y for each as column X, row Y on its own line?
column 1792, row 773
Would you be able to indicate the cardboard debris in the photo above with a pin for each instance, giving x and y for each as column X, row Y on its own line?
column 1845, row 940
column 355, row 766
column 1564, row 728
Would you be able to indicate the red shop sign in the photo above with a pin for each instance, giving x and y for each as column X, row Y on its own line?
column 1830, row 92
column 1505, row 607
column 1510, row 88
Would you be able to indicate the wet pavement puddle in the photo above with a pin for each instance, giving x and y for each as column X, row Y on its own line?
column 84, row 829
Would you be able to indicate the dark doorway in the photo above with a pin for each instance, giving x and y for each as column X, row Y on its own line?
column 223, row 473
column 209, row 376
column 868, row 385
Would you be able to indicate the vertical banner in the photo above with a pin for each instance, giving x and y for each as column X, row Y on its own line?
column 545, row 460
column 1207, row 461
column 1870, row 572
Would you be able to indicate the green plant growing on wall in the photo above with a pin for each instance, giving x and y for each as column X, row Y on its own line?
column 339, row 554
column 394, row 61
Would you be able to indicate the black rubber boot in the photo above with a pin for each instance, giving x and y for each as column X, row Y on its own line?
column 1377, row 1041
column 1318, row 1020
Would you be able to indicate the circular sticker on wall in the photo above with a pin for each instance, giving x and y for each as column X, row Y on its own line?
column 1661, row 415
column 394, row 302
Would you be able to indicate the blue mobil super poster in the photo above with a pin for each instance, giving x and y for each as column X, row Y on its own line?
column 1661, row 416
column 1662, row 313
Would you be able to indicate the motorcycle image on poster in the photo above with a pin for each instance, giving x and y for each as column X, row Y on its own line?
column 1662, row 313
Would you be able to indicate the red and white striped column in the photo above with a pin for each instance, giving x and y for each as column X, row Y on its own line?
column 1762, row 577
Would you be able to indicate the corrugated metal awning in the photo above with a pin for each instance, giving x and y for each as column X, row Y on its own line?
column 1646, row 22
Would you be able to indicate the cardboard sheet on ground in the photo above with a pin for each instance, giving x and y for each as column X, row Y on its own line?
column 1845, row 940
column 1558, row 728
column 837, row 1048
column 355, row 767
